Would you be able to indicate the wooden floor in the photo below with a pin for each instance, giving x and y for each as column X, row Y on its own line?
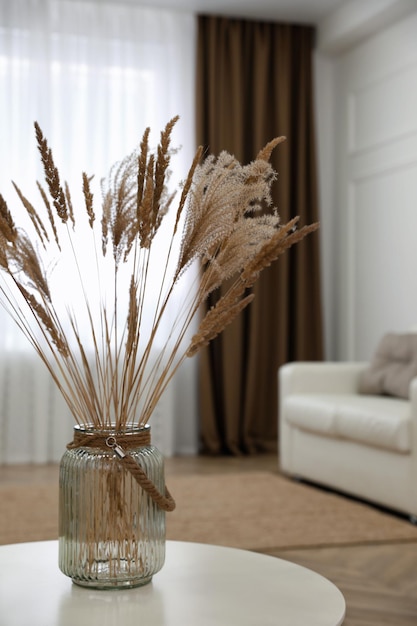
column 379, row 582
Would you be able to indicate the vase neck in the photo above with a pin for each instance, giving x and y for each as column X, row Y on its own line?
column 105, row 438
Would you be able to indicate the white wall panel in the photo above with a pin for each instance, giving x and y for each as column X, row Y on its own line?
column 376, row 207
column 384, row 257
column 383, row 110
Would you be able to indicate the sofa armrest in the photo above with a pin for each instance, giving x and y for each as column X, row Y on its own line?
column 413, row 398
column 320, row 377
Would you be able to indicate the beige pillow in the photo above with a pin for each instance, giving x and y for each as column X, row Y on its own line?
column 393, row 366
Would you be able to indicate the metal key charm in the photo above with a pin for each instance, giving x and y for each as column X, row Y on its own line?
column 112, row 443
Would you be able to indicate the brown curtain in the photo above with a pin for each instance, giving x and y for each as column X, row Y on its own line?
column 254, row 82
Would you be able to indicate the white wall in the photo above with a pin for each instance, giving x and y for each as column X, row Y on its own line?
column 368, row 186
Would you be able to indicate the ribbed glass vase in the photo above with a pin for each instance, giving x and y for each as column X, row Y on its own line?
column 111, row 532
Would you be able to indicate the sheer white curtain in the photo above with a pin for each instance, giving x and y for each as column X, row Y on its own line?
column 94, row 75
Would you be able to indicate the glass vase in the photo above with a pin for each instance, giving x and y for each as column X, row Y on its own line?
column 111, row 531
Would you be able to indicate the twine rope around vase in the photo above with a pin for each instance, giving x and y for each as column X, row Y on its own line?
column 120, row 443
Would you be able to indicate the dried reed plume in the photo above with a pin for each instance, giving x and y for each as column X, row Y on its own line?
column 220, row 222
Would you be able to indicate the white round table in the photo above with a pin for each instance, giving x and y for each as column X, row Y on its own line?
column 199, row 585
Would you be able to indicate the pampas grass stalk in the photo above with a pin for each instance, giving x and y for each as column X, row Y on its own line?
column 224, row 221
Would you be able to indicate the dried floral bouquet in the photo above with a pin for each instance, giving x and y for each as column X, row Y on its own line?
column 107, row 378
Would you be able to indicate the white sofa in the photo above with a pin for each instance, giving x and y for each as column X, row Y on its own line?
column 363, row 445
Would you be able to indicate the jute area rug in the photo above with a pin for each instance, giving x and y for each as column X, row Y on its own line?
column 251, row 510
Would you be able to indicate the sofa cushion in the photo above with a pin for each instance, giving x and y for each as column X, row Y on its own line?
column 377, row 421
column 393, row 366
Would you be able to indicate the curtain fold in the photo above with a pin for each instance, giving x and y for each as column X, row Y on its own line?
column 254, row 82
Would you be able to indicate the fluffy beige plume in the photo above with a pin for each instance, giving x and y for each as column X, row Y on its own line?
column 88, row 198
column 265, row 153
column 51, row 175
column 7, row 225
column 49, row 213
